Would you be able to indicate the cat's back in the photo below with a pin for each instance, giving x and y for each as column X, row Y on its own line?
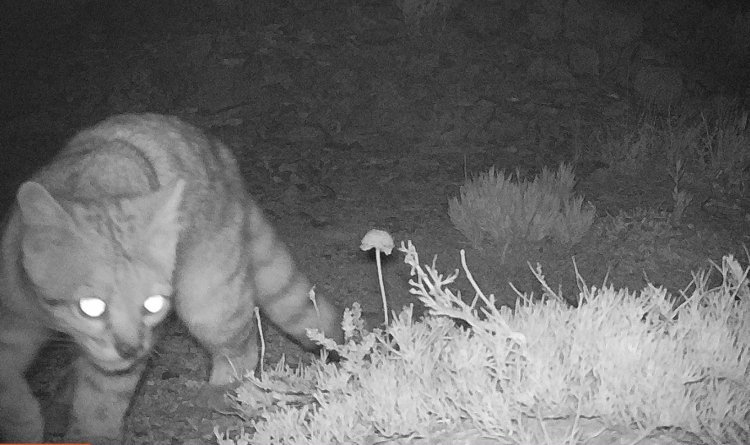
column 134, row 154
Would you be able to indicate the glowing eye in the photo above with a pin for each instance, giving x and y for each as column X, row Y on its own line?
column 155, row 303
column 92, row 307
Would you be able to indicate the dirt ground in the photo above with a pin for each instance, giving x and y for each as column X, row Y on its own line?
column 346, row 118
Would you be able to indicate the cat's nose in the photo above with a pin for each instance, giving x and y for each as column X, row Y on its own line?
column 127, row 350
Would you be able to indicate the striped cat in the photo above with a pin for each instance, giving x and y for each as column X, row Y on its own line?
column 137, row 216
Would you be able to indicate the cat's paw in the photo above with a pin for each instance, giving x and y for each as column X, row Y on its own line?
column 56, row 419
column 217, row 397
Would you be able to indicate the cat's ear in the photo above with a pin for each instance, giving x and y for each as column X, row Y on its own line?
column 166, row 204
column 40, row 209
column 163, row 230
column 49, row 239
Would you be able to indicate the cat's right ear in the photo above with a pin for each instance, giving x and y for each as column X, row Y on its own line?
column 39, row 208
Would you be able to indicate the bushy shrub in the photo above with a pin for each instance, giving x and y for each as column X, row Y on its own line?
column 619, row 368
column 497, row 207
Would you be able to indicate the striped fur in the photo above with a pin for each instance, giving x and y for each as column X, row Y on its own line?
column 135, row 207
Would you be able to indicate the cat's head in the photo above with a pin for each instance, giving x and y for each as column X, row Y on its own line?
column 103, row 269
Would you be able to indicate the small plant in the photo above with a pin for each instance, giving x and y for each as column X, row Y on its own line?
column 681, row 198
column 501, row 208
column 645, row 236
column 640, row 222
column 630, row 153
column 726, row 142
column 382, row 242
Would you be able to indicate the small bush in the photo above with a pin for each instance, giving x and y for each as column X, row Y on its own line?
column 619, row 368
column 630, row 153
column 497, row 207
column 713, row 147
column 726, row 143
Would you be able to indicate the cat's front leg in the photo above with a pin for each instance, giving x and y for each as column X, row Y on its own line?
column 100, row 401
column 215, row 299
column 20, row 417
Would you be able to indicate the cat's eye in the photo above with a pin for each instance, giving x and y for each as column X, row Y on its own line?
column 92, row 307
column 155, row 303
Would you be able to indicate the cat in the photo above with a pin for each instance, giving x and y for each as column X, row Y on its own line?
column 138, row 216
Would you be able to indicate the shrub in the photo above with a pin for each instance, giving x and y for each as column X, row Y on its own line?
column 630, row 153
column 619, row 368
column 726, row 142
column 501, row 208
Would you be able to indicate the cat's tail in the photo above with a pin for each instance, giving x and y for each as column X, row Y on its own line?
column 283, row 292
